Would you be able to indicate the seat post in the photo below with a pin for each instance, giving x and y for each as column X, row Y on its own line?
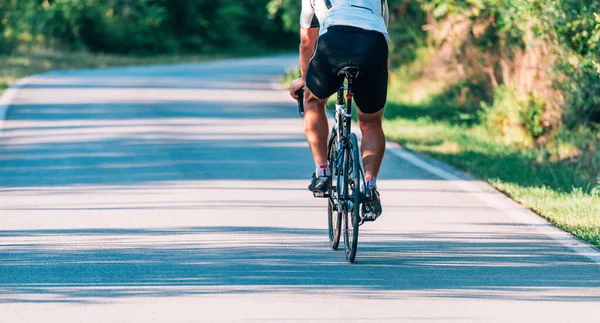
column 350, row 80
column 350, row 73
column 340, row 96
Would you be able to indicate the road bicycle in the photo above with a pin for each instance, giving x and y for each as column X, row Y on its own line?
column 346, row 195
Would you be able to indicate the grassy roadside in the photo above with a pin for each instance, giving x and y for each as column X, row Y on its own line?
column 556, row 190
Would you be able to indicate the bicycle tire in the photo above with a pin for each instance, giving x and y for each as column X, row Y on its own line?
column 334, row 218
column 351, row 213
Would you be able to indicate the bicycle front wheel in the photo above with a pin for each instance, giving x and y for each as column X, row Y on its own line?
column 351, row 214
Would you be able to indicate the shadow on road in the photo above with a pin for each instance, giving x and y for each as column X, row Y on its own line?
column 187, row 261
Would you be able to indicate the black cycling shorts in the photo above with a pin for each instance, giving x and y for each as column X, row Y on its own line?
column 342, row 46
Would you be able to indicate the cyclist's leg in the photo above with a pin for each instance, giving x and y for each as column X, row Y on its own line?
column 321, row 81
column 373, row 149
column 370, row 93
column 316, row 127
column 373, row 141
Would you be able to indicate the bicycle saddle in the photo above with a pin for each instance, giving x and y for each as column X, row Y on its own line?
column 349, row 72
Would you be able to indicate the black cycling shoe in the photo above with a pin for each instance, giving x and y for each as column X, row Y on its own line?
column 372, row 206
column 320, row 185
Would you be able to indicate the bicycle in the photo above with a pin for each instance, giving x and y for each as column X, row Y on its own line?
column 343, row 154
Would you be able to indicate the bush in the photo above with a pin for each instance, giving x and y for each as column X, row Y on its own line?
column 141, row 26
column 582, row 92
column 17, row 22
column 503, row 117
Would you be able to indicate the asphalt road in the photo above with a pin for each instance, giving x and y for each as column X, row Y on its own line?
column 177, row 194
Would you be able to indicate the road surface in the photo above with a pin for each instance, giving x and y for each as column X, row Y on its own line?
column 178, row 194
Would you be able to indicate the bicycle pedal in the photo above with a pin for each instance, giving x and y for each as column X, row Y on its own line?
column 320, row 195
column 370, row 217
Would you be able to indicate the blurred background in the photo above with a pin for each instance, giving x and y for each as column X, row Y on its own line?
column 141, row 26
column 508, row 90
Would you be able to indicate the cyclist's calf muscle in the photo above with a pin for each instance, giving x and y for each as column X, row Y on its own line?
column 316, row 127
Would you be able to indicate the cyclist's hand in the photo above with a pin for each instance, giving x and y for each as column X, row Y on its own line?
column 297, row 84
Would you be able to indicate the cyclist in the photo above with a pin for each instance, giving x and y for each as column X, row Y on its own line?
column 335, row 34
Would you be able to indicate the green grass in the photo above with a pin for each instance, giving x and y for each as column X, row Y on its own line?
column 553, row 189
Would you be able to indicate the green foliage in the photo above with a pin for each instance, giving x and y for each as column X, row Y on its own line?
column 17, row 19
column 518, row 121
column 571, row 27
column 140, row 26
column 441, row 8
column 406, row 32
column 577, row 23
column 582, row 91
column 288, row 10
column 532, row 117
column 505, row 117
column 576, row 27
column 596, row 190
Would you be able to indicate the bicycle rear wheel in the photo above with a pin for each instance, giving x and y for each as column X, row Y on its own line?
column 351, row 213
column 334, row 215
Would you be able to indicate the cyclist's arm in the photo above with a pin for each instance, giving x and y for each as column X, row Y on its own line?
column 309, row 32
column 308, row 39
column 386, row 13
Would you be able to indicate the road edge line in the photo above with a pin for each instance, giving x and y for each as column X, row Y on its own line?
column 8, row 96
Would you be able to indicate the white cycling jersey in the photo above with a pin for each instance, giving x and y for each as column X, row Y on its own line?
column 363, row 14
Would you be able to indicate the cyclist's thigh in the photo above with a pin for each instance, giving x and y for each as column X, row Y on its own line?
column 321, row 77
column 370, row 88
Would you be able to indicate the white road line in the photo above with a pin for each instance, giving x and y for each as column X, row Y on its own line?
column 7, row 98
column 277, row 85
